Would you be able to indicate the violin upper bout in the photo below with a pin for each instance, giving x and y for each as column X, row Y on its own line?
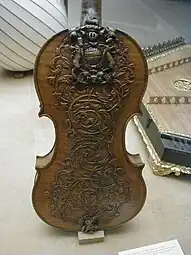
column 47, row 66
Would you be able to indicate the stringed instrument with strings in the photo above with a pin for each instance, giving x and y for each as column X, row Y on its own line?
column 90, row 81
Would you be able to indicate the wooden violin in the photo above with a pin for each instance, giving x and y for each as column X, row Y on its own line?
column 90, row 82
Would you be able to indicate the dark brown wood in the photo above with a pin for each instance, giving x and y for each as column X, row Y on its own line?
column 89, row 181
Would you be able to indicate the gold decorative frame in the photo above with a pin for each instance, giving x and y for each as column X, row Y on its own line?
column 158, row 166
column 153, row 53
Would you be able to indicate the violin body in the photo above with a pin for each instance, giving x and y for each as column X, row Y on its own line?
column 90, row 83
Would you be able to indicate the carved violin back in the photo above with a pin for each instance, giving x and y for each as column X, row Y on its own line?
column 89, row 181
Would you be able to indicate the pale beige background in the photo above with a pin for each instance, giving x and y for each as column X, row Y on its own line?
column 167, row 212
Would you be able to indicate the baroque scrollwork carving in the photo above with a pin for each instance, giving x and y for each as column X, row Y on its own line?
column 90, row 186
column 93, row 48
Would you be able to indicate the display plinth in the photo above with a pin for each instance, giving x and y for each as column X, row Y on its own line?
column 85, row 238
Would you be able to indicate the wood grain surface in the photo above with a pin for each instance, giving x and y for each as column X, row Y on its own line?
column 112, row 191
column 171, row 117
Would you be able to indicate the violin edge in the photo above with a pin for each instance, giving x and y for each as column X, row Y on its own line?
column 139, row 165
